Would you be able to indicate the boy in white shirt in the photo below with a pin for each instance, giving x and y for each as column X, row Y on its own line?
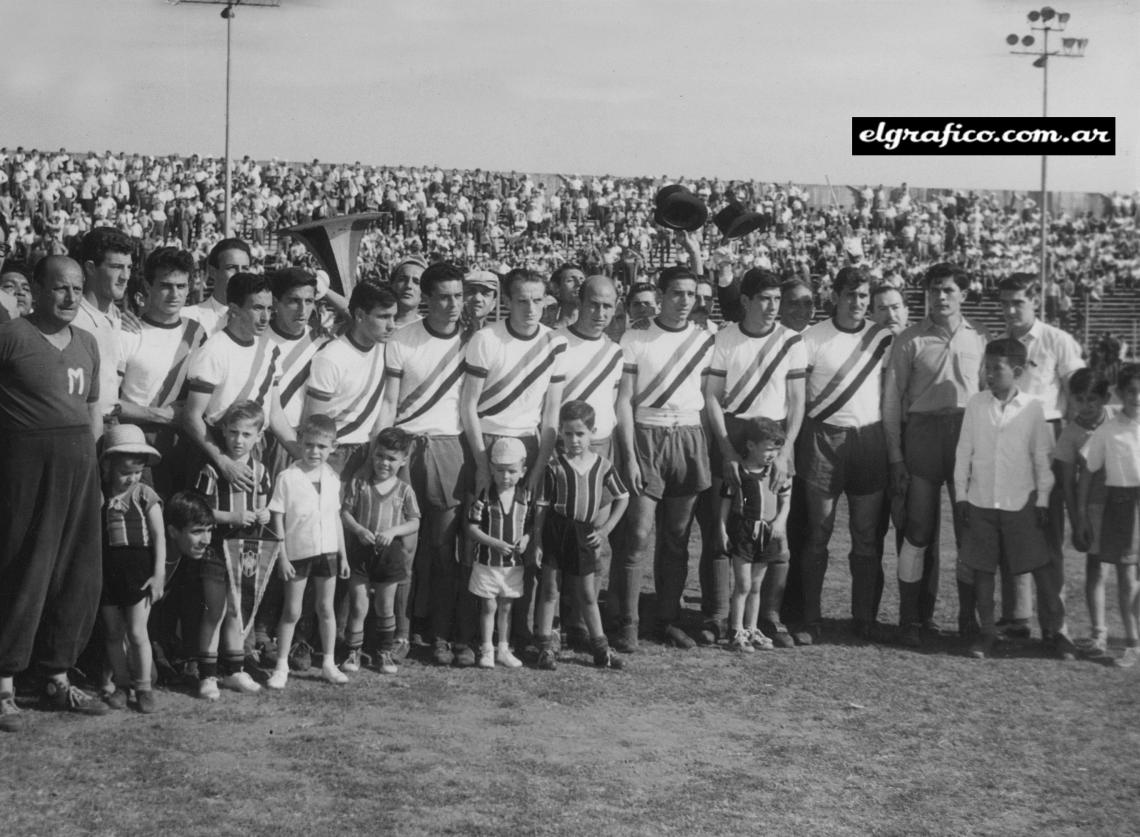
column 1002, row 478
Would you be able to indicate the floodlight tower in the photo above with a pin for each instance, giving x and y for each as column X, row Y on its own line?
column 227, row 14
column 1045, row 21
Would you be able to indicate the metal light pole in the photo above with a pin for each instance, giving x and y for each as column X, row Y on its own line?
column 228, row 15
column 1047, row 20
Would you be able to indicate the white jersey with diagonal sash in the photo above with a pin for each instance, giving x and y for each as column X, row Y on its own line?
column 297, row 355
column 844, row 384
column 231, row 370
column 427, row 369
column 347, row 379
column 516, row 373
column 156, row 360
column 669, row 366
column 593, row 369
column 756, row 370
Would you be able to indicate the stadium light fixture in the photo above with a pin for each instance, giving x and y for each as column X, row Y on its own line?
column 1047, row 20
column 228, row 15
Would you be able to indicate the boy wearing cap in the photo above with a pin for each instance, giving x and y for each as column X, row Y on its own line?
column 134, row 564
column 498, row 522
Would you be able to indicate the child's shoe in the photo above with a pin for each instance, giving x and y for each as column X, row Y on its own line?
column 208, row 688
column 505, row 658
column 146, row 701
column 351, row 663
column 1095, row 647
column 116, row 699
column 1129, row 658
column 464, row 656
column 11, row 718
column 387, row 663
column 487, row 657
column 66, row 697
column 240, row 682
column 608, row 659
column 740, row 642
column 278, row 679
column 442, row 653
column 547, row 660
column 300, row 656
column 983, row 646
column 401, row 649
column 760, row 640
column 332, row 674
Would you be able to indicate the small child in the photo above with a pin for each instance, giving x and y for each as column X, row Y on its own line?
column 1115, row 447
column 1002, row 479
column 1088, row 393
column 134, row 564
column 581, row 501
column 753, row 531
column 379, row 511
column 498, row 522
column 235, row 508
column 306, row 516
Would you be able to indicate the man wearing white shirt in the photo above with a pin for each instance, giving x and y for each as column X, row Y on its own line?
column 227, row 257
column 106, row 258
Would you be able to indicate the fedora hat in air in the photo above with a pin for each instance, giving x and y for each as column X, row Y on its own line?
column 679, row 209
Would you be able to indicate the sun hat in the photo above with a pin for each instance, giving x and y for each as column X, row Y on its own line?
column 128, row 438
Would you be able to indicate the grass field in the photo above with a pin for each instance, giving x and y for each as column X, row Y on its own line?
column 840, row 738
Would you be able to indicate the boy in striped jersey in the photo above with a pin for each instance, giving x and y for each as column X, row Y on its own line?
column 513, row 389
column 581, row 501
column 757, row 371
column 842, row 449
column 664, row 451
column 423, row 367
column 156, row 357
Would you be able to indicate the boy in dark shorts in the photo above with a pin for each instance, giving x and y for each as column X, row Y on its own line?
column 753, row 529
column 379, row 511
column 1002, row 477
column 306, row 517
column 134, row 565
column 581, row 500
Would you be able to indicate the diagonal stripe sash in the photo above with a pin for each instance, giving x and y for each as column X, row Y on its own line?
column 748, row 376
column 687, row 370
column 765, row 376
column 847, row 366
column 172, row 383
column 664, row 373
column 588, row 390
column 540, row 346
column 576, row 381
column 856, row 382
column 432, row 380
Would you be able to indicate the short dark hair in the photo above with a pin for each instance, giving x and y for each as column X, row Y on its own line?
column 849, row 277
column 1128, row 373
column 758, row 279
column 284, row 280
column 393, row 438
column 317, row 424
column 942, row 270
column 556, row 276
column 677, row 273
column 1088, row 381
column 241, row 286
column 1010, row 348
column 518, row 276
column 103, row 240
column 438, row 273
column 759, row 430
column 368, row 295
column 224, row 245
column 1025, row 283
column 243, row 411
column 167, row 260
column 642, row 287
column 577, row 411
column 188, row 508
column 16, row 267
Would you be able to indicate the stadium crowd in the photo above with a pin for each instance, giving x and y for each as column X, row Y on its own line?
column 450, row 480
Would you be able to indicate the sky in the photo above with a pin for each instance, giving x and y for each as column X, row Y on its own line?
column 760, row 89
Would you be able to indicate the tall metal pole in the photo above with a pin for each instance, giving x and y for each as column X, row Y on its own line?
column 1044, row 158
column 226, row 227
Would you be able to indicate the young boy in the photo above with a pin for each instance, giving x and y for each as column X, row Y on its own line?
column 306, row 517
column 753, row 529
column 580, row 502
column 379, row 511
column 1003, row 477
column 498, row 522
column 1115, row 447
column 1088, row 393
column 234, row 509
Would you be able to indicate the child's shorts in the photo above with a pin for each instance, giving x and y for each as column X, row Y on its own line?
column 316, row 566
column 755, row 547
column 496, row 582
column 564, row 545
column 125, row 570
column 381, row 566
column 1011, row 539
column 1120, row 526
